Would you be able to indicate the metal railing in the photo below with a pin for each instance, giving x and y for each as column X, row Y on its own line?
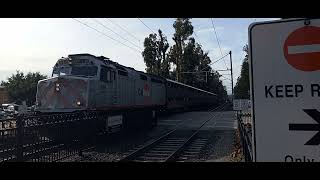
column 47, row 138
column 244, row 126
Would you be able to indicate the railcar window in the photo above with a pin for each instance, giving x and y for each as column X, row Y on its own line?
column 143, row 77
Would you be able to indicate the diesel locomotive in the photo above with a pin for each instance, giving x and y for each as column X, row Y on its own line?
column 84, row 82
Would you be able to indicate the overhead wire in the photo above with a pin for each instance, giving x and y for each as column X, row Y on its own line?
column 218, row 41
column 146, row 26
column 216, row 62
column 105, row 35
column 115, row 33
column 124, row 30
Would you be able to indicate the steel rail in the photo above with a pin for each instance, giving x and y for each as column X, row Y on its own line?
column 172, row 156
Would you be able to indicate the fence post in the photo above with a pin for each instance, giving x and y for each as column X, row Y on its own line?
column 19, row 139
column 242, row 135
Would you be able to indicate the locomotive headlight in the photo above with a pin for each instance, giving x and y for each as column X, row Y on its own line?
column 57, row 87
column 78, row 103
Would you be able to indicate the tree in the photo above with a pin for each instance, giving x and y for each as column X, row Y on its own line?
column 23, row 87
column 183, row 29
column 190, row 62
column 241, row 90
column 186, row 55
column 163, row 63
column 154, row 54
column 150, row 53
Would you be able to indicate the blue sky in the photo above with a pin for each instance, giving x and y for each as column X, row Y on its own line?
column 36, row 44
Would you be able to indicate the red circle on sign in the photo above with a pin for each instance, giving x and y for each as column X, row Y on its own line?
column 299, row 48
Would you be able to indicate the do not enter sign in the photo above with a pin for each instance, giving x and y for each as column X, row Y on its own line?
column 284, row 63
column 302, row 48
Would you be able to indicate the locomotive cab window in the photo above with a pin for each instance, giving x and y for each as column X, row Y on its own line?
column 84, row 70
column 106, row 75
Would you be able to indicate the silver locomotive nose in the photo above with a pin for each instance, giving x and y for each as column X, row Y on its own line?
column 63, row 94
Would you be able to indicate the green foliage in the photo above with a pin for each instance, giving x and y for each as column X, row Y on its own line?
column 163, row 63
column 242, row 88
column 150, row 53
column 186, row 57
column 23, row 87
column 183, row 30
column 154, row 54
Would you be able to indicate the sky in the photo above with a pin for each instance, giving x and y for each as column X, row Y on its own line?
column 34, row 45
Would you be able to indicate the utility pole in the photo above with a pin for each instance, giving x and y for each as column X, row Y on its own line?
column 231, row 75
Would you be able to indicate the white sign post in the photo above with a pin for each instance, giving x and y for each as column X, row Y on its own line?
column 285, row 90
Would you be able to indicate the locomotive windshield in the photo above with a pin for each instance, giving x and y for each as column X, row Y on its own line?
column 84, row 70
column 75, row 70
column 60, row 71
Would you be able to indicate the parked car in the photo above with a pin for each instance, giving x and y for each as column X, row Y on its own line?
column 10, row 109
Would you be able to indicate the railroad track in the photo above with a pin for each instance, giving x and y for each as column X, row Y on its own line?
column 171, row 147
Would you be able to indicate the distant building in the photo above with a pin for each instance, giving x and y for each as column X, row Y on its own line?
column 4, row 95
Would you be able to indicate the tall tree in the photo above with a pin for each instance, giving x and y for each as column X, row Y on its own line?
column 242, row 88
column 150, row 53
column 154, row 54
column 23, row 87
column 186, row 55
column 163, row 63
column 190, row 62
column 183, row 30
